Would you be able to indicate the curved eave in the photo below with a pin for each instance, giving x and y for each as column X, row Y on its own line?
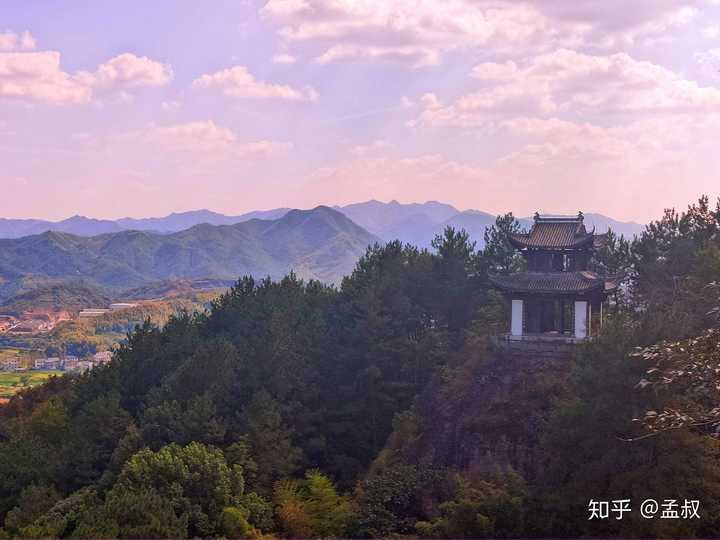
column 506, row 285
column 611, row 285
column 556, row 292
column 521, row 242
column 518, row 241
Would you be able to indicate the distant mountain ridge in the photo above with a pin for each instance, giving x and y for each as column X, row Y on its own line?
column 414, row 223
column 79, row 225
column 84, row 226
column 320, row 243
column 418, row 223
column 176, row 222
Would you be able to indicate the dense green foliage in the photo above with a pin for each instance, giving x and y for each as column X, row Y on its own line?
column 377, row 408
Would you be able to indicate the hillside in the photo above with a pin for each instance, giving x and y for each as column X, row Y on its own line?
column 384, row 408
column 174, row 288
column 65, row 296
column 320, row 243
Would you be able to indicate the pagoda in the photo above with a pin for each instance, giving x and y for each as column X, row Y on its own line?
column 558, row 297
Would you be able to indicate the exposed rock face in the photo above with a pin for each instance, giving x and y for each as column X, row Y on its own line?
column 490, row 415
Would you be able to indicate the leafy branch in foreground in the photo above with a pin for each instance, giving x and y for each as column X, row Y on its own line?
column 688, row 371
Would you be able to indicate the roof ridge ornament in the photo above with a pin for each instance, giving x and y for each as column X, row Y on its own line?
column 557, row 218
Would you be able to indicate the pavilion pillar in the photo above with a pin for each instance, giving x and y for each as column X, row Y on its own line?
column 581, row 312
column 516, row 322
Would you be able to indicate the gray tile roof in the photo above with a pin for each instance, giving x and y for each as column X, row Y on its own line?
column 555, row 233
column 554, row 282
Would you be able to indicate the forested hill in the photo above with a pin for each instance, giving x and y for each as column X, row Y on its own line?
column 381, row 408
column 54, row 296
column 320, row 243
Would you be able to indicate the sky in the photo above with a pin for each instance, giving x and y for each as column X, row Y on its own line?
column 136, row 108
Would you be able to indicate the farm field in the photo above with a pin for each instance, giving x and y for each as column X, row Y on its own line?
column 11, row 352
column 11, row 383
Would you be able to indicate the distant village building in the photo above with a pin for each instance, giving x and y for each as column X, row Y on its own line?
column 84, row 365
column 121, row 305
column 70, row 363
column 102, row 357
column 32, row 326
column 558, row 297
column 93, row 312
column 6, row 323
column 10, row 364
column 50, row 363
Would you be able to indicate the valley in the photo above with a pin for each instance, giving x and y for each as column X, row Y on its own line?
column 69, row 328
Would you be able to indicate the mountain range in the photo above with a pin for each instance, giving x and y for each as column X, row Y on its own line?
column 320, row 243
column 85, row 226
column 414, row 223
column 418, row 223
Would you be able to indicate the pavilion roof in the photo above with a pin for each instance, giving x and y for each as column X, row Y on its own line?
column 555, row 232
column 554, row 282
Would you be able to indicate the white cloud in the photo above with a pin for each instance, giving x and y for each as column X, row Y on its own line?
column 38, row 77
column 618, row 22
column 240, row 83
column 170, row 106
column 127, row 71
column 491, row 71
column 552, row 165
column 410, row 32
column 375, row 147
column 555, row 141
column 568, row 82
column 663, row 161
column 384, row 177
column 10, row 41
column 407, row 54
column 709, row 61
column 418, row 32
column 407, row 103
column 204, row 138
column 430, row 101
column 199, row 150
column 711, row 32
column 283, row 59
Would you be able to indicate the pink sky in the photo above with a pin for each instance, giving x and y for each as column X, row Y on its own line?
column 137, row 110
